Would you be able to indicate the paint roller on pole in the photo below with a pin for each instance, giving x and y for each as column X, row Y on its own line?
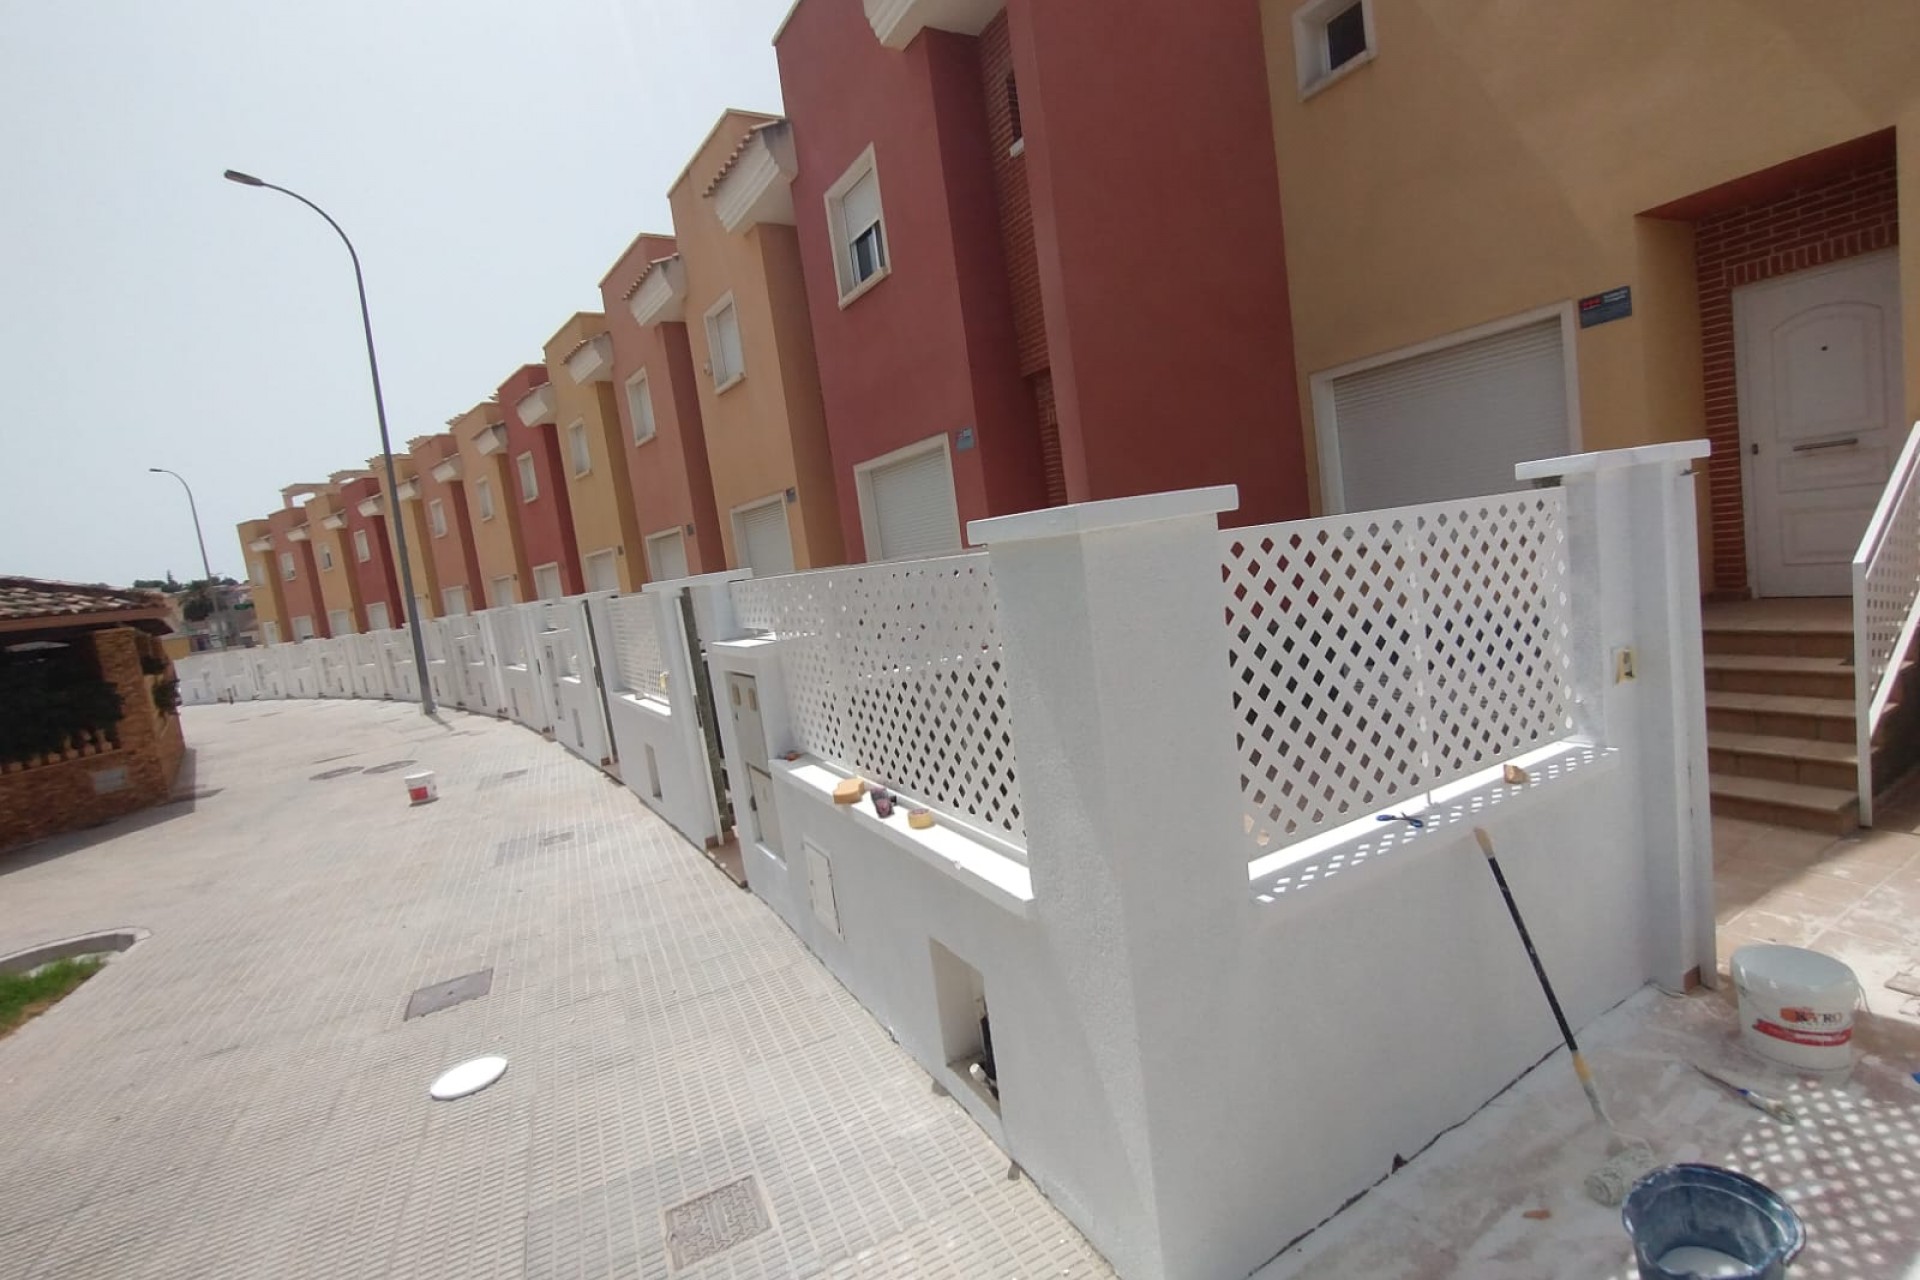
column 1628, row 1158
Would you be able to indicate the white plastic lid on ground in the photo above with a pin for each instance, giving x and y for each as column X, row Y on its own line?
column 467, row 1078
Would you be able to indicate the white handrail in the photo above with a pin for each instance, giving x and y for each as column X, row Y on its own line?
column 1886, row 586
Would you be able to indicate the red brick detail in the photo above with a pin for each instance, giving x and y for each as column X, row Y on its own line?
column 1053, row 466
column 1857, row 212
column 1016, row 205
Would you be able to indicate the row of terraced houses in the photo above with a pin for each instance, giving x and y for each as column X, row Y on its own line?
column 1004, row 254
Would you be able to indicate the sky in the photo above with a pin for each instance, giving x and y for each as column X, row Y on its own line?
column 490, row 159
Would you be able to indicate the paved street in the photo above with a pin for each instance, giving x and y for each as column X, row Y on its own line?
column 241, row 1095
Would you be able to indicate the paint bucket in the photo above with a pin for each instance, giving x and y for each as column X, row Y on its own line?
column 1796, row 1006
column 1699, row 1220
column 421, row 788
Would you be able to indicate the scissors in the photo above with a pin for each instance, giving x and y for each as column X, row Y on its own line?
column 1772, row 1106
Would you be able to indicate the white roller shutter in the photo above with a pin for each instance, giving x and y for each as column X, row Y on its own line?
column 860, row 207
column 911, row 508
column 1451, row 423
column 761, row 539
column 667, row 556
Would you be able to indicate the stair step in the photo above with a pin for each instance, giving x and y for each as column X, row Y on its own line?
column 1780, row 715
column 1780, row 673
column 1785, row 804
column 1784, row 642
column 1806, row 761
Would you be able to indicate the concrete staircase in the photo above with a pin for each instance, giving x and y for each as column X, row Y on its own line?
column 1780, row 714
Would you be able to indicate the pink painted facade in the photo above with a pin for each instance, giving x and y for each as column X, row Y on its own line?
column 545, row 520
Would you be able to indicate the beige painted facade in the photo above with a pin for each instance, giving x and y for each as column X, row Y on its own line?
column 601, row 497
column 496, row 537
column 426, row 581
column 766, row 432
column 263, row 575
column 332, row 556
column 1494, row 159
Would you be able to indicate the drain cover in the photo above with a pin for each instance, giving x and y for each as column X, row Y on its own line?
column 467, row 1078
column 715, row 1222
column 341, row 772
column 444, row 995
column 511, row 774
column 388, row 767
column 555, row 837
column 519, row 846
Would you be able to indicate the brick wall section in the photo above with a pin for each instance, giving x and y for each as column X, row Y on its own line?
column 1016, row 205
column 1844, row 217
column 1052, row 465
column 63, row 796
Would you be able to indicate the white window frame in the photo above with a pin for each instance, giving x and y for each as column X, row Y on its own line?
column 483, row 497
column 362, row 549
column 303, row 627
column 737, row 517
column 640, row 407
column 579, row 447
column 270, row 630
column 1326, row 429
column 326, row 558
column 288, row 569
column 446, row 602
column 653, row 561
column 843, row 240
column 437, row 517
column 1310, row 55
column 259, row 572
column 335, row 617
column 559, row 580
column 529, row 477
column 512, row 581
column 863, row 486
column 715, row 347
column 608, row 555
column 385, row 616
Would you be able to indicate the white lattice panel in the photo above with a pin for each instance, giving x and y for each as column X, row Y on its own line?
column 895, row 671
column 1378, row 655
column 639, row 662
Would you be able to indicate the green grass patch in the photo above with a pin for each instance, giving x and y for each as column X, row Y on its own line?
column 24, row 996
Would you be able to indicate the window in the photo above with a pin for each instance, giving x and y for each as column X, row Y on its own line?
column 259, row 575
column 577, row 445
column 340, row 622
column 272, row 631
column 361, row 551
column 667, row 556
column 303, row 628
column 603, row 571
column 437, row 518
column 859, row 235
column 503, row 590
column 529, row 478
column 907, row 504
column 640, row 407
column 455, row 599
column 1013, row 116
column 326, row 556
column 762, row 541
column 546, row 582
column 483, row 494
column 1331, row 38
column 286, row 565
column 377, row 616
column 724, row 357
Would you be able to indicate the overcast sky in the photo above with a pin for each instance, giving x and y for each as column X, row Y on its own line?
column 490, row 158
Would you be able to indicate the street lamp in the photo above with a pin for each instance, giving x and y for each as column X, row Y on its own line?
column 408, row 610
column 221, row 629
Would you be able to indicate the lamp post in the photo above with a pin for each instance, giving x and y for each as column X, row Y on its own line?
column 222, row 631
column 409, row 610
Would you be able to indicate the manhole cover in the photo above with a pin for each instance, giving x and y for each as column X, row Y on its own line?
column 388, row 767
column 715, row 1222
column 341, row 772
column 341, row 755
column 444, row 995
column 562, row 837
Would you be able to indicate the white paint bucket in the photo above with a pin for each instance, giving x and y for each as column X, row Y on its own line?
column 421, row 788
column 1796, row 1006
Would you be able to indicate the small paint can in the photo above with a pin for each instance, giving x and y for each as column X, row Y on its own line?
column 421, row 788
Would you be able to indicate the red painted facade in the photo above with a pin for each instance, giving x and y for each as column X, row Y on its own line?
column 378, row 579
column 1048, row 295
column 546, row 523
column 672, row 484
column 455, row 563
column 302, row 591
column 930, row 349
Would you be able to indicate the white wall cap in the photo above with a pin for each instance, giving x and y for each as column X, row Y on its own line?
column 1111, row 513
column 717, row 578
column 1580, row 464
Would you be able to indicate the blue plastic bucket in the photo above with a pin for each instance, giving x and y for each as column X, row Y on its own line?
column 1699, row 1220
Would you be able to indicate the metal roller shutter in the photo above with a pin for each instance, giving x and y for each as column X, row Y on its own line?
column 1451, row 423
column 761, row 539
column 913, row 512
column 667, row 556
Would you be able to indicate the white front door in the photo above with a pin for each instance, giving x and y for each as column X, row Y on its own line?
column 1818, row 355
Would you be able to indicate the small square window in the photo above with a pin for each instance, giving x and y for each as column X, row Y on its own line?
column 582, row 452
column 640, row 407
column 483, row 497
column 529, row 478
column 1331, row 37
column 724, row 356
column 437, row 518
